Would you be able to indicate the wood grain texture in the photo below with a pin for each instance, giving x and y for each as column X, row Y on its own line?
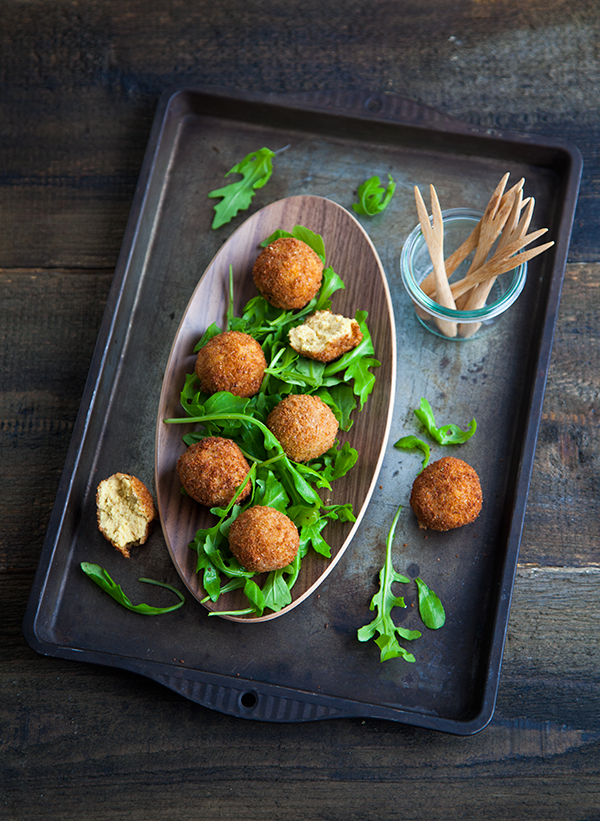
column 85, row 81
column 352, row 255
column 80, row 83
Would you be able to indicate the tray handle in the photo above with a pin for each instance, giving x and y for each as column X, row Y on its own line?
column 248, row 699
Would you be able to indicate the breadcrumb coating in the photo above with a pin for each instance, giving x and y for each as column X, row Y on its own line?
column 125, row 511
column 447, row 494
column 263, row 539
column 325, row 336
column 211, row 471
column 231, row 361
column 288, row 273
column 304, row 425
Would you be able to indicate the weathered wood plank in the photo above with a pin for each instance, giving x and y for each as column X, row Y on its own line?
column 564, row 500
column 80, row 82
column 49, row 321
column 70, row 160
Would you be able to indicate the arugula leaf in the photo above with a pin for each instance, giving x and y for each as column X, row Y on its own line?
column 276, row 590
column 373, row 199
column 337, row 462
column 356, row 364
column 446, row 434
column 256, row 169
column 314, row 241
column 384, row 601
column 412, row 443
column 340, row 398
column 431, row 609
column 212, row 330
column 101, row 577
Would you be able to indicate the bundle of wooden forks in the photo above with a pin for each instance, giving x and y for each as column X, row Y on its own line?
column 506, row 220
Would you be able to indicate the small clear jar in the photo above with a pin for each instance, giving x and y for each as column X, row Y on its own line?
column 415, row 265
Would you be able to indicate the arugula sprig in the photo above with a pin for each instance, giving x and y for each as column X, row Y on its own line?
column 449, row 434
column 431, row 609
column 372, row 198
column 256, row 169
column 414, row 443
column 102, row 578
column 384, row 602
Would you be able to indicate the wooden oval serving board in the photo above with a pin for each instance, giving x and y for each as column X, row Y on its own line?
column 352, row 255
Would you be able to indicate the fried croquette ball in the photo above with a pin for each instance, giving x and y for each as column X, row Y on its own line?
column 125, row 511
column 231, row 361
column 325, row 336
column 288, row 273
column 304, row 425
column 211, row 471
column 262, row 539
column 447, row 494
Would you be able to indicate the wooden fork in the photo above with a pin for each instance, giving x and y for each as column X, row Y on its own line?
column 433, row 231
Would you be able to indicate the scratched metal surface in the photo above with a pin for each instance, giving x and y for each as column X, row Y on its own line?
column 313, row 651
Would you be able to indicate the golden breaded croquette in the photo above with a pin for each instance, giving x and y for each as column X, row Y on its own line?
column 211, row 471
column 231, row 361
column 447, row 494
column 325, row 336
column 304, row 425
column 288, row 273
column 262, row 539
column 125, row 511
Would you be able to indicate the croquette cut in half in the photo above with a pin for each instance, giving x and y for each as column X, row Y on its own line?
column 325, row 336
column 125, row 511
column 211, row 471
column 231, row 361
column 447, row 494
column 263, row 539
column 288, row 273
column 305, row 427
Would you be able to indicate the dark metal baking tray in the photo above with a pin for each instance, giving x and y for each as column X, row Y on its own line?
column 308, row 664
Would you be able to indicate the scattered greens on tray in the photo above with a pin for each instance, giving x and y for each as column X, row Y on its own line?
column 256, row 169
column 372, row 197
column 384, row 601
column 291, row 487
column 449, row 434
column 431, row 609
column 101, row 577
column 414, row 443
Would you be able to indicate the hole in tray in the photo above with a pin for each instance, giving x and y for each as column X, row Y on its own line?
column 249, row 700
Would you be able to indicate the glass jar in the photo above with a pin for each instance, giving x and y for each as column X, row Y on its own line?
column 415, row 265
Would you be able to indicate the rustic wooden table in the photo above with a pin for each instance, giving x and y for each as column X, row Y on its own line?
column 79, row 84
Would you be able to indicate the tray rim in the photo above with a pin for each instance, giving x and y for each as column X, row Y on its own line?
column 396, row 111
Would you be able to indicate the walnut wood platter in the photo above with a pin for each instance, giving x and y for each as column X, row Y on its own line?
column 352, row 255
